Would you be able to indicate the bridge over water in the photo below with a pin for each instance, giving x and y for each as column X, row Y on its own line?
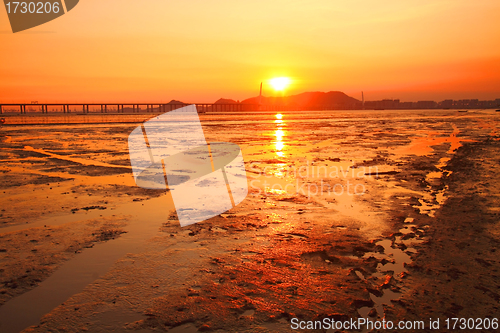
column 25, row 108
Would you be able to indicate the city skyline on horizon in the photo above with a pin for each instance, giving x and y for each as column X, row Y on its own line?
column 276, row 95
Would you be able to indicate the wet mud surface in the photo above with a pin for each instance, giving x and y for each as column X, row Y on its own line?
column 30, row 256
column 365, row 214
column 456, row 272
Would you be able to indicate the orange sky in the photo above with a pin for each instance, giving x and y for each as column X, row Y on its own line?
column 199, row 51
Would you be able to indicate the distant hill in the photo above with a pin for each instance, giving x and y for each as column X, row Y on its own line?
column 333, row 100
column 308, row 100
column 225, row 101
column 176, row 102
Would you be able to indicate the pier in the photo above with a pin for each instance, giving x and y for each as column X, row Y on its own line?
column 89, row 108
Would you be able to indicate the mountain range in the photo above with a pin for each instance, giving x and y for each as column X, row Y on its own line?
column 304, row 100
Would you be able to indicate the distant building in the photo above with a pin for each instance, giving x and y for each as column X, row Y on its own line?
column 406, row 105
column 396, row 104
column 446, row 104
column 426, row 105
column 383, row 104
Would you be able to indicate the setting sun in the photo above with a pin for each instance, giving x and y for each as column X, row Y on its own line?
column 280, row 83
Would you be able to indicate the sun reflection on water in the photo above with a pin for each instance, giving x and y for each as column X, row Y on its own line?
column 279, row 134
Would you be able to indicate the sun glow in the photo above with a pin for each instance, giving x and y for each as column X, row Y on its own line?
column 280, row 83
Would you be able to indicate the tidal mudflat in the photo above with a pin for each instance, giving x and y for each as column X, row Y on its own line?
column 375, row 214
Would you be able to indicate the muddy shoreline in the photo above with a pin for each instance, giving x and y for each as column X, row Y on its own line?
column 455, row 274
column 419, row 242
